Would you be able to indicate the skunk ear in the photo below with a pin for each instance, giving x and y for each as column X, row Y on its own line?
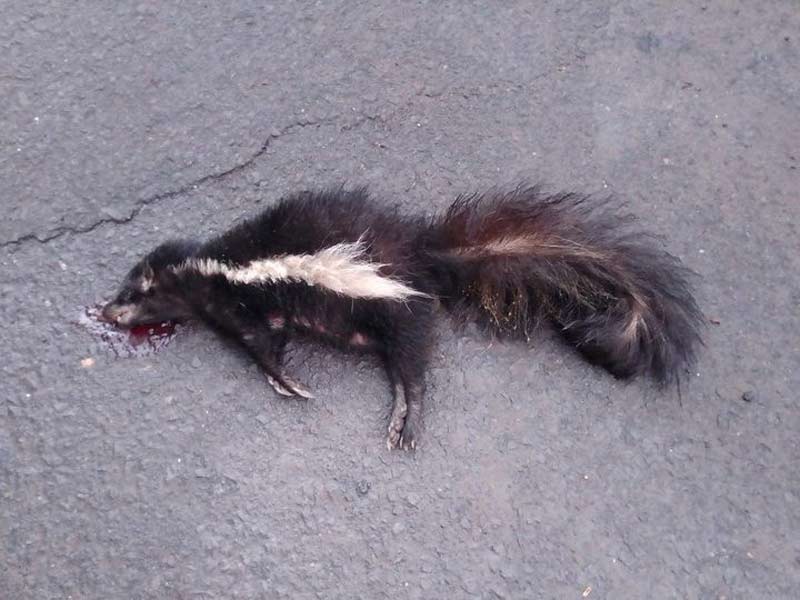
column 148, row 276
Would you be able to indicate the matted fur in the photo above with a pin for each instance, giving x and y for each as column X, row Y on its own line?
column 342, row 268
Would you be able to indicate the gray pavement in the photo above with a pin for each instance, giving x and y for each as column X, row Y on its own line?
column 181, row 475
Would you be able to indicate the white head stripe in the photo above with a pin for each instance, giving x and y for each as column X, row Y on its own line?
column 342, row 268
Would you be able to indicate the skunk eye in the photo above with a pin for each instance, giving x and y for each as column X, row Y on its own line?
column 128, row 296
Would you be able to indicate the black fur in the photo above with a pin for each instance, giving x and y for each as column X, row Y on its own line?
column 510, row 260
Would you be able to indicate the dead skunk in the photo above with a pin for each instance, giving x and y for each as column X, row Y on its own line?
column 336, row 267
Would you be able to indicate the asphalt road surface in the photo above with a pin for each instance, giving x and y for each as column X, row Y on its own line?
column 180, row 474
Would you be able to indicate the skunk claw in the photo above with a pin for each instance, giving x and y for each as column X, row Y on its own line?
column 278, row 387
column 298, row 388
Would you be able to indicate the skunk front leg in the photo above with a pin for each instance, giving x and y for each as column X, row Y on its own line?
column 268, row 351
column 267, row 348
column 269, row 355
column 289, row 387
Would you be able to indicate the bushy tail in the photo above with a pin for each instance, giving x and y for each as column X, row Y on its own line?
column 516, row 259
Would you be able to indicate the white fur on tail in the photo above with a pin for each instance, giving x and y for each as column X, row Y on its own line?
column 343, row 268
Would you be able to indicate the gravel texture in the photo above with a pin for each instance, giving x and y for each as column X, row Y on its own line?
column 180, row 474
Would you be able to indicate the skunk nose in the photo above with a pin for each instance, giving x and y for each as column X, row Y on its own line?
column 105, row 314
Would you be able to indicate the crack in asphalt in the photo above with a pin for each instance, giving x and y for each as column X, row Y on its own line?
column 59, row 232
column 465, row 92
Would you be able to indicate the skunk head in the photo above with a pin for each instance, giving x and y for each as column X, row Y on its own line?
column 151, row 292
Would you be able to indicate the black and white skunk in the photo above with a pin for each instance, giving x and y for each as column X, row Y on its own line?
column 335, row 267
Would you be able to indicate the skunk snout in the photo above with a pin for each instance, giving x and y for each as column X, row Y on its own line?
column 117, row 314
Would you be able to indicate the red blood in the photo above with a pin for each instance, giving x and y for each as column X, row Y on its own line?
column 138, row 341
column 157, row 329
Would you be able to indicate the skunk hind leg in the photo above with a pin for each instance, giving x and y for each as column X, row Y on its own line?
column 406, row 360
column 405, row 421
column 397, row 421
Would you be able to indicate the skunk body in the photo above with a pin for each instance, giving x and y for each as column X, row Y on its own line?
column 335, row 267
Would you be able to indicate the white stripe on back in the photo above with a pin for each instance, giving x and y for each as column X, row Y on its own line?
column 343, row 269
